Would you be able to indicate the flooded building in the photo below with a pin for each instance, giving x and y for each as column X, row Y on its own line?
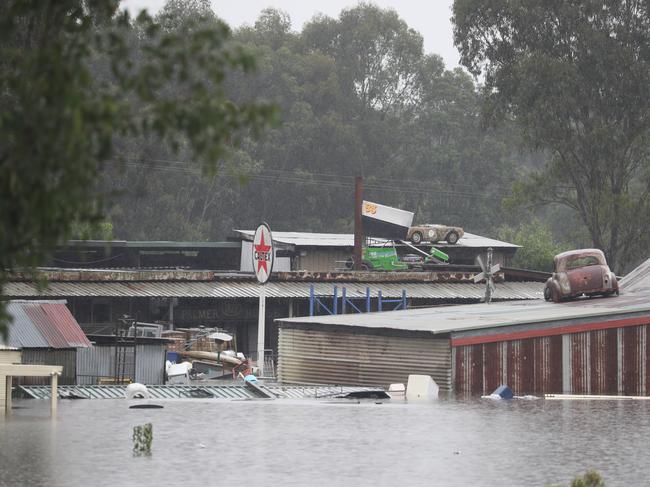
column 46, row 333
column 587, row 346
column 97, row 298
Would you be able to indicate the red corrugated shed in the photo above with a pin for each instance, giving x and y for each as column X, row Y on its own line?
column 56, row 324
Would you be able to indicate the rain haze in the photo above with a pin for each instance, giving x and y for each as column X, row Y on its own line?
column 431, row 19
column 289, row 242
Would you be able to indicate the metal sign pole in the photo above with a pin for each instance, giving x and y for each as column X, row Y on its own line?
column 263, row 257
column 261, row 319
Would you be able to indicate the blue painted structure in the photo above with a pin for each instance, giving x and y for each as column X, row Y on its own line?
column 346, row 302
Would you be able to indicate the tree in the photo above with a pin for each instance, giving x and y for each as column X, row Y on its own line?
column 74, row 75
column 537, row 245
column 575, row 76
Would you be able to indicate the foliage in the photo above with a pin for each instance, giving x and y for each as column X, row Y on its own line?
column 142, row 439
column 77, row 76
column 575, row 75
column 590, row 479
column 537, row 245
column 358, row 96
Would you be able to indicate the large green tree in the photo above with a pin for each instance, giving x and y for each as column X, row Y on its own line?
column 357, row 95
column 76, row 75
column 575, row 76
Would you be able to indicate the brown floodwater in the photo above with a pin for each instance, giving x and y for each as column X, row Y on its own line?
column 450, row 442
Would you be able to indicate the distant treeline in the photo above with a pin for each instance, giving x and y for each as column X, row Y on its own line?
column 357, row 95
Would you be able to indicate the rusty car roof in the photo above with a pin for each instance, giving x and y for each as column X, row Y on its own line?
column 572, row 253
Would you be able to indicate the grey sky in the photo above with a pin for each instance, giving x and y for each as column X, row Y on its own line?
column 431, row 18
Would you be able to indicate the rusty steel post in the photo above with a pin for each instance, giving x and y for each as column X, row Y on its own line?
column 358, row 225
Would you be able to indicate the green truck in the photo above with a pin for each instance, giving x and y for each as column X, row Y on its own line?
column 385, row 258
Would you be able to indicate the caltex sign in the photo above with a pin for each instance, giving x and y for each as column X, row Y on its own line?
column 263, row 253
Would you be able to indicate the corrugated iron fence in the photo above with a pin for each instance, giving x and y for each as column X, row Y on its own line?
column 66, row 357
column 99, row 362
column 611, row 361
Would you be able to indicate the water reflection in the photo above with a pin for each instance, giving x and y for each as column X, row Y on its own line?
column 217, row 442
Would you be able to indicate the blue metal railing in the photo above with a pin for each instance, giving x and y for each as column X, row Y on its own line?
column 317, row 303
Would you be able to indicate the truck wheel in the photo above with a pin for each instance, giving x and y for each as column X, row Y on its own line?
column 416, row 238
column 349, row 264
column 452, row 238
column 366, row 266
column 547, row 293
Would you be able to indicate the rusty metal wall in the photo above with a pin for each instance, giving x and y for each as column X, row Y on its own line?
column 610, row 361
column 343, row 358
column 51, row 356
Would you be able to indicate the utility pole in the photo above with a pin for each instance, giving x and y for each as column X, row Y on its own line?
column 358, row 223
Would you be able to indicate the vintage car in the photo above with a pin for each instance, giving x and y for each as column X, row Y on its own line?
column 580, row 272
column 434, row 233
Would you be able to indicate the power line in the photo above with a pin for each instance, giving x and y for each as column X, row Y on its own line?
column 190, row 164
column 308, row 179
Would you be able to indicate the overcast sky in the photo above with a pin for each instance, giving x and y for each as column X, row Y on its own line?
column 429, row 18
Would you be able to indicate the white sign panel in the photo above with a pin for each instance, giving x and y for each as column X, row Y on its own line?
column 385, row 221
column 263, row 253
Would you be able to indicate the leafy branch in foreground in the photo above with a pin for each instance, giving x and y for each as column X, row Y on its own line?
column 59, row 118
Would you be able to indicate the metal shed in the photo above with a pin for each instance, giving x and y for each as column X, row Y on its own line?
column 98, row 362
column 48, row 334
column 589, row 346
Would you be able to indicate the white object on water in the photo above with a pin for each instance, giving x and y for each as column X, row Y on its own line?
column 179, row 373
column 397, row 390
column 137, row 391
column 495, row 397
column 422, row 388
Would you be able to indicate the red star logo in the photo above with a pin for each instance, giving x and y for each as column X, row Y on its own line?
column 261, row 254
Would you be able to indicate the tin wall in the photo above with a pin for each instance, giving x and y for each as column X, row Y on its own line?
column 610, row 361
column 308, row 356
column 99, row 361
column 51, row 356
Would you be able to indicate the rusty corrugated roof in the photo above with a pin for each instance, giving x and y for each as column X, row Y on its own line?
column 44, row 324
column 273, row 289
column 66, row 325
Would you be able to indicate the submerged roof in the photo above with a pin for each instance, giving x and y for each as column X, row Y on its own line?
column 44, row 324
column 273, row 289
column 446, row 319
column 306, row 239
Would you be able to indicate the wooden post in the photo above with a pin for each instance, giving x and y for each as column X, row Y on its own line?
column 358, row 223
column 54, row 381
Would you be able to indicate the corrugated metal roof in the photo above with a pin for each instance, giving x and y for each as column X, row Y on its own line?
column 249, row 289
column 445, row 319
column 44, row 324
column 638, row 280
column 22, row 332
column 304, row 239
column 66, row 325
column 229, row 391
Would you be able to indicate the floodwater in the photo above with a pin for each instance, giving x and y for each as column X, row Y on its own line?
column 450, row 442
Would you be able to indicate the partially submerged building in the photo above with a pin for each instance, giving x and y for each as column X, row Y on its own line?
column 46, row 333
column 588, row 346
column 191, row 298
